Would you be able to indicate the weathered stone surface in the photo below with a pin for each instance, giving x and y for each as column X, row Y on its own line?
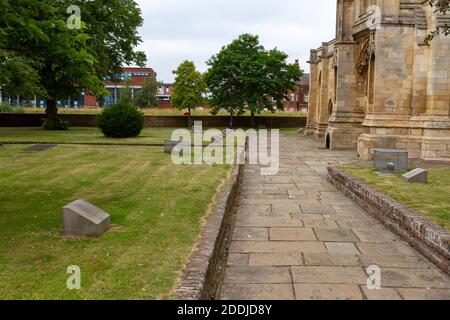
column 251, row 234
column 414, row 278
column 82, row 219
column 384, row 294
column 335, row 235
column 169, row 145
column 424, row 294
column 341, row 248
column 397, row 261
column 386, row 249
column 343, row 260
column 257, row 292
column 317, row 209
column 376, row 235
column 391, row 160
column 277, row 246
column 249, row 221
column 416, row 176
column 329, row 275
column 327, row 292
column 292, row 234
column 237, row 260
column 276, row 259
column 257, row 275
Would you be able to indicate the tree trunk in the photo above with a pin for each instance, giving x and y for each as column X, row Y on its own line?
column 52, row 115
column 189, row 119
column 231, row 120
column 252, row 120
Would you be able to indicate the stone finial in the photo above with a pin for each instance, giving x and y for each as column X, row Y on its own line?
column 82, row 219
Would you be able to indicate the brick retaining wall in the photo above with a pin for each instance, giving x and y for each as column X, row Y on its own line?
column 429, row 239
column 203, row 275
column 89, row 120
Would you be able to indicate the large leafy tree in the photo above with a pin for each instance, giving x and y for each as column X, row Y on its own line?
column 244, row 76
column 189, row 88
column 66, row 60
column 146, row 97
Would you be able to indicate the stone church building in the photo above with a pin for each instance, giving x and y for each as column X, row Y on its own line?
column 379, row 85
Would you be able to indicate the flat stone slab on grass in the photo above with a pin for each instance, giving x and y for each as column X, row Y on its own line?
column 39, row 147
column 82, row 219
column 416, row 176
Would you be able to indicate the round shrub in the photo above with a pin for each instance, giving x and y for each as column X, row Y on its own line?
column 121, row 121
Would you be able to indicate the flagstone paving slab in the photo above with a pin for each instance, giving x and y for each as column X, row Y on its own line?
column 275, row 259
column 335, row 235
column 237, row 260
column 382, row 294
column 258, row 275
column 292, row 234
column 257, row 292
column 253, row 234
column 341, row 248
column 343, row 260
column 297, row 237
column 327, row 292
column 424, row 294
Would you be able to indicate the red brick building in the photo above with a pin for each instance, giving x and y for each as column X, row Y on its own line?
column 137, row 77
column 298, row 100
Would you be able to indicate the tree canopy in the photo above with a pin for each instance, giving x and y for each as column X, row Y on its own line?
column 189, row 87
column 64, row 60
column 146, row 96
column 245, row 76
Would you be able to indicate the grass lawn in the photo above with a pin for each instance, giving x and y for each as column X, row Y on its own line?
column 91, row 135
column 432, row 200
column 169, row 112
column 81, row 135
column 156, row 209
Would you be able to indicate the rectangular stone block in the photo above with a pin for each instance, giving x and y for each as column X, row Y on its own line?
column 82, row 219
column 416, row 176
column 391, row 160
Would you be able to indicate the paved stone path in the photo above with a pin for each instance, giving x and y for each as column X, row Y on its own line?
column 298, row 237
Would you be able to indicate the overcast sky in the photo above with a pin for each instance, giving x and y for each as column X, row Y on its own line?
column 176, row 30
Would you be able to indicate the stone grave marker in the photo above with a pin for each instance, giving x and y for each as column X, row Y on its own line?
column 82, row 219
column 416, row 176
column 391, row 160
column 40, row 147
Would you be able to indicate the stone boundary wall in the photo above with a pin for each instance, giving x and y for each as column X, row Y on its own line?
column 427, row 238
column 89, row 120
column 203, row 275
